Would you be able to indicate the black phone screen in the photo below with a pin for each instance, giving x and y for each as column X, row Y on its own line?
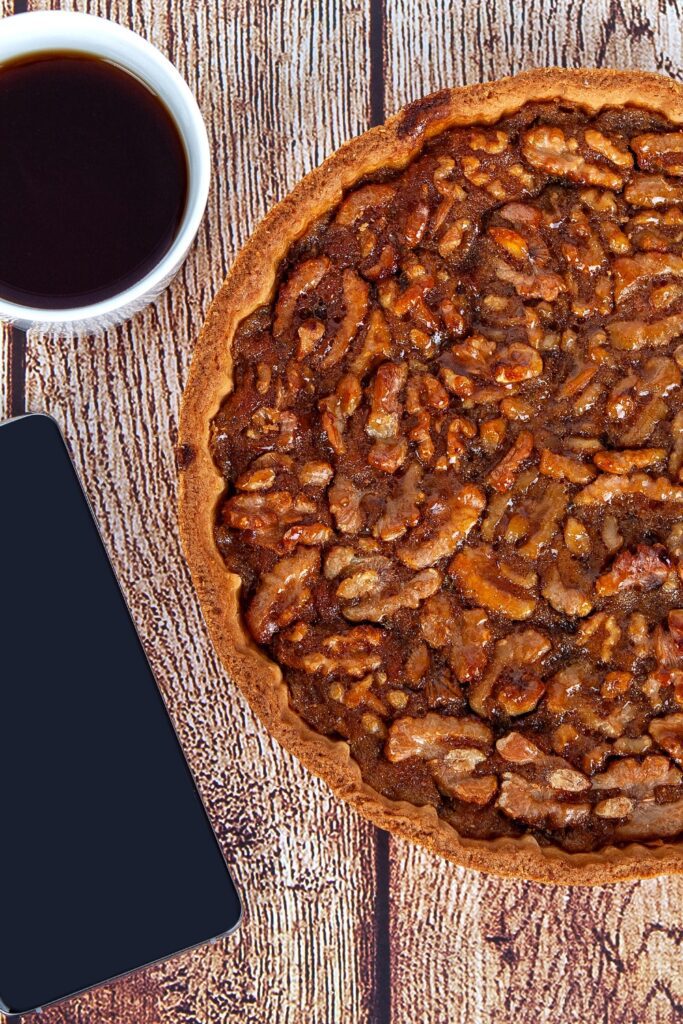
column 107, row 858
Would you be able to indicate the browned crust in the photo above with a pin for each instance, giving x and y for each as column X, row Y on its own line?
column 250, row 284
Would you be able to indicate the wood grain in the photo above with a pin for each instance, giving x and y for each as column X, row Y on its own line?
column 429, row 46
column 279, row 85
column 466, row 949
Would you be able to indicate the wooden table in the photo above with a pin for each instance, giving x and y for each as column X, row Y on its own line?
column 343, row 925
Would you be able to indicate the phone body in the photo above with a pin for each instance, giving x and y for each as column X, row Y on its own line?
column 108, row 862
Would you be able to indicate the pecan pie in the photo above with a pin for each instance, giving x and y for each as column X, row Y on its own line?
column 431, row 458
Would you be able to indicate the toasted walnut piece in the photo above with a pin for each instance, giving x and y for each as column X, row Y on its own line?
column 609, row 534
column 438, row 620
column 649, row 191
column 304, row 278
column 660, row 376
column 361, row 200
column 626, row 745
column 307, row 533
column 638, row 779
column 608, row 148
column 376, row 347
column 458, row 429
column 502, row 476
column 344, row 500
column 478, row 576
column 488, row 141
column 547, row 149
column 255, row 480
column 517, row 363
column 355, row 656
column 388, row 456
column 576, row 537
column 534, row 284
column 282, row 593
column 518, row 651
column 358, row 584
column 516, row 409
column 600, row 635
column 383, row 605
column 632, row 335
column 422, row 390
column 643, row 569
column 479, row 791
column 457, row 383
column 538, row 804
column 448, row 525
column 513, row 243
column 258, row 512
column 549, row 511
column 468, row 654
column 382, row 422
column 630, row 271
column 356, row 293
column 652, row 821
column 361, row 695
column 279, row 426
column 337, row 407
column 614, row 807
column 264, row 373
column 417, row 664
column 315, row 474
column 520, row 695
column 309, row 333
column 456, row 240
column 415, row 221
column 660, row 151
column 668, row 733
column 432, row 736
column 517, row 528
column 615, row 685
column 646, row 421
column 609, row 487
column 562, row 467
column 577, row 382
column 629, row 459
column 569, row 780
column 571, row 690
column 402, row 511
column 676, row 456
column 518, row 749
column 460, row 761
column 563, row 737
column 567, row 600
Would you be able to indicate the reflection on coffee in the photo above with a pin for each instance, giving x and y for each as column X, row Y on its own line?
column 93, row 180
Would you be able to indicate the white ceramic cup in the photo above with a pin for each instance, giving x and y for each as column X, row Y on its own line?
column 66, row 31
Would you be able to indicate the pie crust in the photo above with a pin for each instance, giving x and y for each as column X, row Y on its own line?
column 251, row 284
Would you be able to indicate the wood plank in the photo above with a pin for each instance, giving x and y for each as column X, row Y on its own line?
column 466, row 948
column 430, row 46
column 279, row 87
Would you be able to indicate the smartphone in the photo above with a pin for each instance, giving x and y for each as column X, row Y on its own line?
column 107, row 859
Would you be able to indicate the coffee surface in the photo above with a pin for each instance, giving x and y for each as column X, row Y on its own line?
column 93, row 180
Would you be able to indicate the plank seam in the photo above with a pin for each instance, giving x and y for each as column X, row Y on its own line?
column 376, row 44
column 17, row 372
column 382, row 979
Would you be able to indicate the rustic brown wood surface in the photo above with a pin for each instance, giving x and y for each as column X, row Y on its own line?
column 342, row 925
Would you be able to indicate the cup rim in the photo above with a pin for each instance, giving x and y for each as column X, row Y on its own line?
column 196, row 147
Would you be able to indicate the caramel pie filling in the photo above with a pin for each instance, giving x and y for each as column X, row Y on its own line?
column 453, row 458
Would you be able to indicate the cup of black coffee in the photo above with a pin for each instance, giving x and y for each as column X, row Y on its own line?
column 105, row 170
